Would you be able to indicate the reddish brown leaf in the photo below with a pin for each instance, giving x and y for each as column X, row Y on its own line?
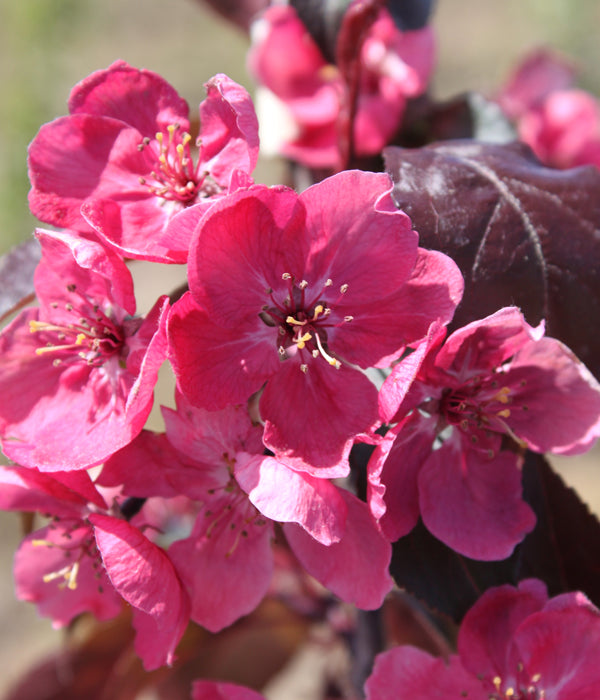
column 521, row 233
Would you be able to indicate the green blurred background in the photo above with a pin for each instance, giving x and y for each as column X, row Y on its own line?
column 46, row 46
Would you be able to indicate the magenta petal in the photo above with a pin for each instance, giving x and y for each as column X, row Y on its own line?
column 408, row 672
column 472, row 503
column 487, row 629
column 134, row 228
column 209, row 690
column 247, row 241
column 285, row 495
column 356, row 568
column 555, row 399
column 229, row 129
column 76, row 157
column 141, row 467
column 393, row 472
column 314, row 416
column 30, row 490
column 562, row 647
column 398, row 382
column 177, row 236
column 66, row 560
column 218, row 366
column 485, row 344
column 143, row 575
column 97, row 273
column 205, row 436
column 225, row 572
column 138, row 97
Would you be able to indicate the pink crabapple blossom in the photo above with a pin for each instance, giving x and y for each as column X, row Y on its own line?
column 514, row 644
column 89, row 559
column 309, row 94
column 495, row 380
column 77, row 374
column 235, row 496
column 296, row 293
column 121, row 164
column 560, row 123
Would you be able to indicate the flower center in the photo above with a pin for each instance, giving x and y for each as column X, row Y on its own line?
column 174, row 176
column 525, row 688
column 77, row 543
column 302, row 318
column 477, row 404
column 93, row 337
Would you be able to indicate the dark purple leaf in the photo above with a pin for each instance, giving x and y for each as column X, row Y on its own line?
column 323, row 19
column 16, row 274
column 521, row 233
column 411, row 14
column 563, row 550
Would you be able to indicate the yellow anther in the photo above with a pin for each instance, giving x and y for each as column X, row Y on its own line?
column 344, row 288
column 294, row 322
column 318, row 311
column 171, row 129
column 497, row 681
column 502, row 395
column 186, row 138
column 328, row 283
column 286, row 276
column 159, row 137
column 180, row 150
column 301, row 342
column 80, row 339
column 72, row 577
column 536, row 678
column 331, row 360
column 42, row 543
column 505, row 413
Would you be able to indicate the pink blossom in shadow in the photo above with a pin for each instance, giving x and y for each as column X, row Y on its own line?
column 514, row 643
column 89, row 559
column 463, row 410
column 560, row 123
column 236, row 494
column 304, row 95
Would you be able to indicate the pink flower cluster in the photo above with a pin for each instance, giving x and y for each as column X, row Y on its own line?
column 294, row 299
column 307, row 99
column 561, row 123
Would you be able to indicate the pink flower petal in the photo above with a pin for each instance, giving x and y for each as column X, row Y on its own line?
column 356, row 568
column 285, row 495
column 408, row 672
column 226, row 570
column 473, row 503
column 138, row 97
column 313, row 416
column 143, row 575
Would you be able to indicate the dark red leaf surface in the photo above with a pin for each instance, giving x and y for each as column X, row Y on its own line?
column 16, row 274
column 563, row 550
column 521, row 233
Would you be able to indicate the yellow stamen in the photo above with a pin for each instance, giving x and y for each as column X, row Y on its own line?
column 331, row 360
column 301, row 342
